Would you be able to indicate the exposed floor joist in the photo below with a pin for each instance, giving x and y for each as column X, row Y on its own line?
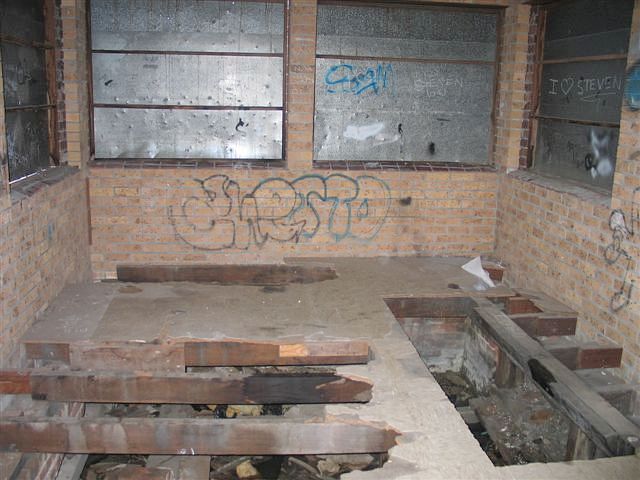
column 176, row 355
column 189, row 388
column 194, row 436
column 602, row 423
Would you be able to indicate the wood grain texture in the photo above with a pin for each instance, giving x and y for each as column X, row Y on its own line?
column 246, row 353
column 170, row 436
column 197, row 388
column 262, row 275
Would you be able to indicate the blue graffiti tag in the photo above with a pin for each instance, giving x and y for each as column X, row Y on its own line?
column 345, row 80
column 632, row 89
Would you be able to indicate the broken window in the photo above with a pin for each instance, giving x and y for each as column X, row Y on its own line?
column 29, row 85
column 409, row 83
column 581, row 75
column 188, row 79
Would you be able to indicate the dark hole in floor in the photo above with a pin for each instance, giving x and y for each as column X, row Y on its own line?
column 513, row 424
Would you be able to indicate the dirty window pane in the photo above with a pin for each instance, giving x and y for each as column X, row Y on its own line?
column 404, row 83
column 27, row 142
column 581, row 99
column 25, row 92
column 188, row 79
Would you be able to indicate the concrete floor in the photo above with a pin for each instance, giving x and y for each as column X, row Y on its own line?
column 435, row 442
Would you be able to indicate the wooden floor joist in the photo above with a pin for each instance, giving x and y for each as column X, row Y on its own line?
column 200, row 436
column 176, row 355
column 189, row 388
column 576, row 355
column 602, row 423
column 545, row 325
column 244, row 353
column 261, row 275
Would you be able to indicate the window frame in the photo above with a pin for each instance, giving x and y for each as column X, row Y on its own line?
column 49, row 48
column 543, row 11
column 190, row 161
column 422, row 165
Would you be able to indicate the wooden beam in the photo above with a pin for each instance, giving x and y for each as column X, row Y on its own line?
column 515, row 305
column 246, row 353
column 194, row 436
column 127, row 356
column 228, row 274
column 603, row 424
column 188, row 388
column 576, row 355
column 545, row 325
column 15, row 382
column 175, row 356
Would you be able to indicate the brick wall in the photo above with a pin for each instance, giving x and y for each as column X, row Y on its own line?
column 226, row 215
column 559, row 240
column 43, row 246
column 43, row 237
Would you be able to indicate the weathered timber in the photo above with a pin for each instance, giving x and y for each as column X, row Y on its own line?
column 575, row 354
column 199, row 436
column 579, row 446
column 53, row 351
column 263, row 275
column 426, row 307
column 606, row 427
column 190, row 388
column 14, row 382
column 516, row 305
column 127, row 356
column 245, row 353
column 546, row 325
column 176, row 355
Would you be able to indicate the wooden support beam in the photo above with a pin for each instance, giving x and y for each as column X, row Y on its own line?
column 264, row 275
column 577, row 355
column 199, row 436
column 176, row 355
column 15, row 382
column 246, row 353
column 545, row 325
column 603, row 424
column 189, row 388
column 516, row 305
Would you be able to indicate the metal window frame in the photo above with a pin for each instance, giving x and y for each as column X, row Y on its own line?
column 190, row 160
column 496, row 10
column 49, row 49
column 543, row 10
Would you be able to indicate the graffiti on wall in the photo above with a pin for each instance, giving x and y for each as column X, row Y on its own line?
column 623, row 229
column 281, row 210
column 345, row 78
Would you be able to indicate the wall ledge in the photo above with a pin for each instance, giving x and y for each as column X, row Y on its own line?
column 29, row 186
column 596, row 197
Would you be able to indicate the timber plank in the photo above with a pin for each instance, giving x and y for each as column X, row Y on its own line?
column 15, row 382
column 545, row 325
column 261, row 275
column 577, row 355
column 603, row 424
column 127, row 356
column 176, row 355
column 246, row 353
column 194, row 436
column 196, row 388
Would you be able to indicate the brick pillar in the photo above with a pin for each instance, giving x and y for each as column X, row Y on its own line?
column 4, row 171
column 301, row 84
column 512, row 87
column 74, row 55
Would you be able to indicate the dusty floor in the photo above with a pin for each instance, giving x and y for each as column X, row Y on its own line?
column 436, row 443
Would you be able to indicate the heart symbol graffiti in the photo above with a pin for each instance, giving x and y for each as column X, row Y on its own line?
column 566, row 85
